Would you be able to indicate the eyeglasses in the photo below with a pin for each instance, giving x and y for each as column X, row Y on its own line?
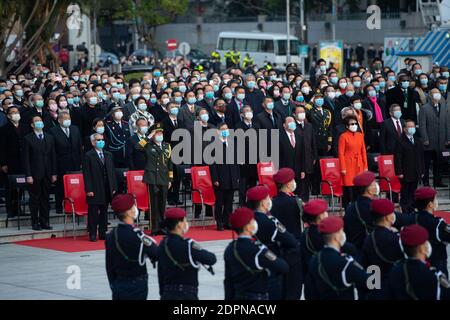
column 352, row 124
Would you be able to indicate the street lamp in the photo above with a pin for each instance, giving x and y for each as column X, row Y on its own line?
column 288, row 27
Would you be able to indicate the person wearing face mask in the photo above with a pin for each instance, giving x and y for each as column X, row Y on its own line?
column 117, row 134
column 404, row 96
column 158, row 173
column 187, row 113
column 126, row 250
column 305, row 132
column 305, row 88
column 88, row 112
column 248, row 264
column 141, row 112
column 37, row 105
column 382, row 246
column 413, row 278
column 272, row 233
column 434, row 129
column 219, row 114
column 285, row 106
column 291, row 153
column 254, row 97
column 11, row 144
column 426, row 203
column 180, row 259
column 334, row 275
column 352, row 157
column 391, row 130
column 68, row 147
column 409, row 164
column 100, row 185
column 135, row 158
column 39, row 158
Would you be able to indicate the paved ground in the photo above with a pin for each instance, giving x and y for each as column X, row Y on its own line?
column 40, row 274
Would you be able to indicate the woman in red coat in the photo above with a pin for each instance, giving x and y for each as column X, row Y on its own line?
column 352, row 156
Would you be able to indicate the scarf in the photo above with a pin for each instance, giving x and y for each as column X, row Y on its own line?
column 378, row 113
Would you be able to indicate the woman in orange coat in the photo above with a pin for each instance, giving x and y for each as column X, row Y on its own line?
column 352, row 156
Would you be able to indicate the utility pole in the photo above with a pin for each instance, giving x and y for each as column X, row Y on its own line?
column 334, row 13
column 302, row 21
column 95, row 34
column 288, row 27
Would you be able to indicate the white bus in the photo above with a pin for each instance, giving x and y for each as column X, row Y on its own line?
column 262, row 47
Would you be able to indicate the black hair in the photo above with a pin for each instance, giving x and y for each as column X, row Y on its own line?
column 171, row 224
column 421, row 204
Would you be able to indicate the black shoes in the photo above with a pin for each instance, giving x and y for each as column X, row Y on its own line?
column 92, row 239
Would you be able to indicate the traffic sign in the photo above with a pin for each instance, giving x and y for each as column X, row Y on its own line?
column 171, row 44
column 184, row 48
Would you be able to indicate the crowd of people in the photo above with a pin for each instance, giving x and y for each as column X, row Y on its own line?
column 58, row 122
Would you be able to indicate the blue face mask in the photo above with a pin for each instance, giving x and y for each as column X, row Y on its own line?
column 178, row 99
column 76, row 100
column 228, row 95
column 204, row 117
column 251, row 84
column 270, row 105
column 349, row 94
column 153, row 100
column 93, row 101
column 405, row 84
column 70, row 100
column 300, row 99
column 357, row 84
column 182, row 89
column 417, row 71
column 397, row 114
column 377, row 88
column 2, row 89
column 19, row 93
column 216, row 88
column 372, row 93
column 192, row 100
column 157, row 74
column 39, row 103
column 411, row 131
column 424, row 82
column 443, row 87
column 334, row 80
column 382, row 84
column 116, row 95
column 292, row 126
column 391, row 78
column 319, row 102
column 100, row 130
column 100, row 144
column 159, row 138
column 209, row 95
column 39, row 125
column 225, row 133
column 174, row 111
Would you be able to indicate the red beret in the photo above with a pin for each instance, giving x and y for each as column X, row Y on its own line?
column 331, row 225
column 364, row 179
column 174, row 213
column 382, row 207
column 241, row 217
column 284, row 175
column 122, row 202
column 425, row 193
column 257, row 193
column 413, row 235
column 315, row 207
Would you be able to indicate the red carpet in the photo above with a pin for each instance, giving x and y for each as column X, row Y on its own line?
column 444, row 215
column 81, row 244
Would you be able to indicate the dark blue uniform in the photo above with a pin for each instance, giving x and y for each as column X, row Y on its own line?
column 247, row 268
column 439, row 232
column 117, row 136
column 179, row 260
column 358, row 222
column 273, row 234
column 311, row 242
column 287, row 210
column 126, row 248
column 412, row 279
column 382, row 248
column 334, row 276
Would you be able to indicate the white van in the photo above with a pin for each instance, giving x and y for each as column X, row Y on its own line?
column 260, row 46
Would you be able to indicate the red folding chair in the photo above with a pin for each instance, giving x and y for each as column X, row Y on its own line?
column 331, row 184
column 139, row 190
column 202, row 190
column 386, row 173
column 266, row 171
column 74, row 201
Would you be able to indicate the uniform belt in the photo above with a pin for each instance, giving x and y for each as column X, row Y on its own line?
column 138, row 277
column 182, row 288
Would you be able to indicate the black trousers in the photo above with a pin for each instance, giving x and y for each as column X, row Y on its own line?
column 59, row 193
column 130, row 289
column 317, row 176
column 293, row 280
column 304, row 187
column 97, row 219
column 224, row 206
column 407, row 195
column 348, row 196
column 435, row 157
column 11, row 199
column 158, row 199
column 245, row 183
column 198, row 210
column 174, row 191
column 39, row 197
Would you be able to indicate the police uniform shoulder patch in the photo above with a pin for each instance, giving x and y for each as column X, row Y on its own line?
column 270, row 255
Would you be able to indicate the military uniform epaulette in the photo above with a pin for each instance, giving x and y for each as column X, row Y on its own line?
column 308, row 106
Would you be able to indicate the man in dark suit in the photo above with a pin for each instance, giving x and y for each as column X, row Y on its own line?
column 40, row 170
column 100, row 185
column 285, row 106
column 248, row 171
column 409, row 164
column 234, row 107
column 391, row 130
column 135, row 158
column 291, row 149
column 36, row 109
column 68, row 153
column 225, row 178
column 219, row 114
column 11, row 146
column 405, row 96
column 305, row 132
column 86, row 114
column 253, row 96
column 269, row 120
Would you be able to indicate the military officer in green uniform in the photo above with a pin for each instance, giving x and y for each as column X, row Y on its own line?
column 158, row 174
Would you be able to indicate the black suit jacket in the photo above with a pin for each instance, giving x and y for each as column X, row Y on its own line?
column 39, row 156
column 215, row 120
column 233, row 112
column 249, row 170
column 68, row 150
column 309, row 146
column 226, row 174
column 98, row 178
column 11, row 146
column 409, row 159
column 291, row 157
column 134, row 158
column 396, row 95
column 388, row 136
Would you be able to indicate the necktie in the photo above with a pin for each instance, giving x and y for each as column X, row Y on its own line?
column 41, row 136
column 412, row 140
column 272, row 118
column 292, row 140
column 102, row 158
column 67, row 132
column 399, row 129
column 175, row 123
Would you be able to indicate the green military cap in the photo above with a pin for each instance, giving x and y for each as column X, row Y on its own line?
column 156, row 128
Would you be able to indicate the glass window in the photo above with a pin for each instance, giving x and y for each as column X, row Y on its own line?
column 253, row 45
column 226, row 44
column 239, row 44
column 282, row 47
column 267, row 45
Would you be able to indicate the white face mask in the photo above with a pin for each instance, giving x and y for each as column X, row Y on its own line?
column 331, row 95
column 269, row 206
column 435, row 204
column 248, row 115
column 186, row 227
column 343, row 239
column 305, row 90
column 15, row 117
column 353, row 128
column 437, row 96
column 377, row 189
column 394, row 219
column 429, row 250
column 294, row 186
column 118, row 115
column 301, row 116
column 255, row 227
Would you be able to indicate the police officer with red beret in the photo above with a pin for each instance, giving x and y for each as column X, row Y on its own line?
column 333, row 275
column 426, row 204
column 126, row 250
column 272, row 233
column 248, row 262
column 412, row 278
column 180, row 259
column 382, row 246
